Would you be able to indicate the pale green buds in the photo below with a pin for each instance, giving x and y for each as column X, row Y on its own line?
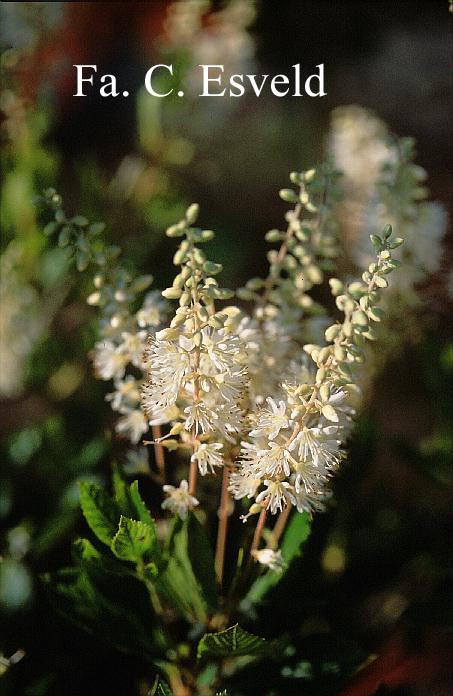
column 376, row 314
column 336, row 286
column 324, row 392
column 167, row 334
column 314, row 274
column 324, row 353
column 339, row 353
column 171, row 293
column 329, row 412
column 288, row 195
column 175, row 230
column 217, row 321
column 192, row 213
column 185, row 299
column 332, row 332
column 180, row 257
column 360, row 318
column 380, row 281
column 357, row 289
column 212, row 268
column 274, row 236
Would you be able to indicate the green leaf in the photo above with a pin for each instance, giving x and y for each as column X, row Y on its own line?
column 133, row 540
column 96, row 563
column 100, row 511
column 202, row 561
column 50, row 228
column 127, row 627
column 296, row 534
column 188, row 581
column 139, row 506
column 96, row 228
column 121, row 493
column 233, row 642
column 160, row 688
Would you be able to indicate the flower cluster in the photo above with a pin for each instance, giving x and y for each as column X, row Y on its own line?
column 118, row 356
column 296, row 443
column 215, row 377
column 382, row 184
column 267, row 396
column 196, row 373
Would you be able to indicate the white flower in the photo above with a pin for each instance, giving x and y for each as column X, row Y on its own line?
column 220, row 348
column 312, row 502
column 275, row 460
column 243, row 486
column 277, row 495
column 168, row 364
column 137, row 461
column 229, row 421
column 126, row 393
column 270, row 558
column 266, row 350
column 271, row 421
column 109, row 361
column 318, row 445
column 153, row 310
column 207, row 457
column 132, row 425
column 179, row 500
column 207, row 382
column 200, row 417
column 358, row 144
column 133, row 346
column 268, row 461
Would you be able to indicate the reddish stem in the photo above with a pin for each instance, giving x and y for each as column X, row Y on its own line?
column 258, row 531
column 159, row 453
column 224, row 514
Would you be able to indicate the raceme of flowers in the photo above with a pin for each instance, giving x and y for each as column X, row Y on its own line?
column 269, row 395
column 383, row 185
column 200, row 373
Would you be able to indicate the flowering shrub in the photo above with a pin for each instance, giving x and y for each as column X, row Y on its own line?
column 263, row 390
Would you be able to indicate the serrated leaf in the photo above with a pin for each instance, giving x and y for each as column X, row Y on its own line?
column 139, row 506
column 133, row 540
column 233, row 642
column 100, row 511
column 121, row 493
column 160, row 688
